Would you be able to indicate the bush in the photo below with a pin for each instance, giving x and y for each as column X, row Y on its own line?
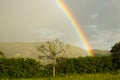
column 116, row 55
column 20, row 68
column 29, row 68
column 86, row 65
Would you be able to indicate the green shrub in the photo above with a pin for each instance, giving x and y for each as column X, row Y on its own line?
column 30, row 68
column 85, row 65
column 20, row 68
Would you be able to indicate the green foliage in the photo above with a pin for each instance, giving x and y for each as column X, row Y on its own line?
column 116, row 49
column 85, row 65
column 29, row 68
column 116, row 55
column 20, row 68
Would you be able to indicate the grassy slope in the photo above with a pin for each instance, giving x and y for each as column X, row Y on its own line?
column 19, row 49
column 29, row 49
column 25, row 49
column 101, row 52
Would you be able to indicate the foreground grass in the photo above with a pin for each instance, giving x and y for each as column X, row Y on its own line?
column 106, row 76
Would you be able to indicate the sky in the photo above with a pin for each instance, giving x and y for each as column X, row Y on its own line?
column 39, row 20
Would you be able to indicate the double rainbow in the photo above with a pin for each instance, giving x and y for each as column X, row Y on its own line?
column 76, row 26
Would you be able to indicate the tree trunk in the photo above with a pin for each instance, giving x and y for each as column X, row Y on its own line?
column 54, row 65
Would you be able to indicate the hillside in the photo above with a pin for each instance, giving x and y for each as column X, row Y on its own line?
column 98, row 52
column 28, row 49
column 18, row 49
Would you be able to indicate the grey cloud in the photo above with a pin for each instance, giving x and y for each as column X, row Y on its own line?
column 99, row 19
column 34, row 20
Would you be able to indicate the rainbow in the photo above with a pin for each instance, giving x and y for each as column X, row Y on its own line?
column 76, row 26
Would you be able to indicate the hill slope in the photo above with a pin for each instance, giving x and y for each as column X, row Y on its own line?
column 101, row 52
column 28, row 49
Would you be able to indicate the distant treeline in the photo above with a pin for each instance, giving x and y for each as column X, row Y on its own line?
column 29, row 68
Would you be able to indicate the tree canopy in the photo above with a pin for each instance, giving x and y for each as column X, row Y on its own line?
column 51, row 50
column 116, row 54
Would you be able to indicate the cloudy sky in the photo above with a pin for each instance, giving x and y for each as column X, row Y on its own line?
column 36, row 20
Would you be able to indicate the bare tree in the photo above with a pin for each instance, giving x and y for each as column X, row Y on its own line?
column 51, row 50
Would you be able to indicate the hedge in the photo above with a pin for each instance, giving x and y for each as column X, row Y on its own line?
column 21, row 68
column 30, row 68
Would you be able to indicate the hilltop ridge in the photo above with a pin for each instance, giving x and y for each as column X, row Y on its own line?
column 28, row 49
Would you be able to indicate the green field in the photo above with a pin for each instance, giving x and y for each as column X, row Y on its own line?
column 106, row 76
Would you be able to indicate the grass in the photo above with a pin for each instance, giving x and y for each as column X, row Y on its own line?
column 106, row 76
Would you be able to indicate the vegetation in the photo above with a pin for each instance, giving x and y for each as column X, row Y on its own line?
column 51, row 49
column 99, row 76
column 84, row 65
column 20, row 68
column 29, row 68
column 116, row 55
column 84, row 68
